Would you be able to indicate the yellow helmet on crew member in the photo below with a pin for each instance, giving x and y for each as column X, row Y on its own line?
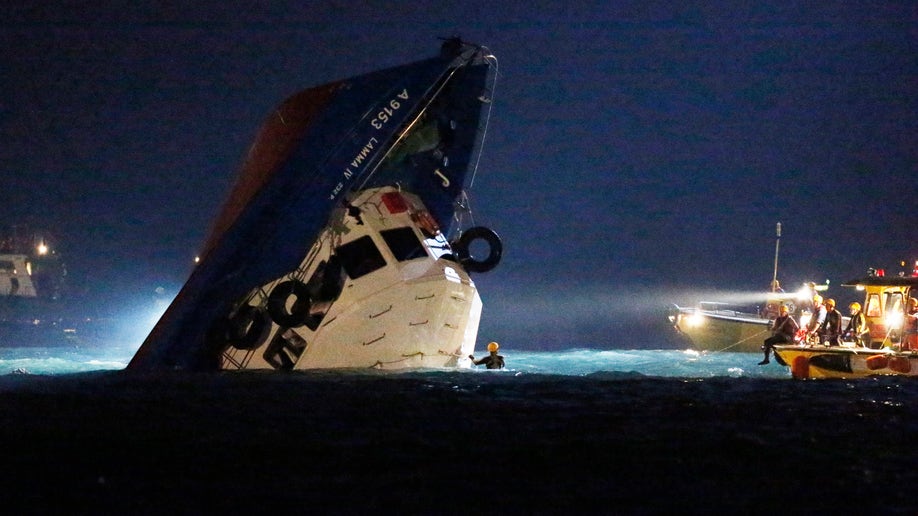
column 855, row 306
column 493, row 346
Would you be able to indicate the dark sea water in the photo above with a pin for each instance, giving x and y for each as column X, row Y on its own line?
column 579, row 431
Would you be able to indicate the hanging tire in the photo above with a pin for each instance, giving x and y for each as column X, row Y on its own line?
column 495, row 249
column 248, row 328
column 296, row 315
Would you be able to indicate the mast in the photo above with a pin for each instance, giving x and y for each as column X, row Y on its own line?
column 774, row 279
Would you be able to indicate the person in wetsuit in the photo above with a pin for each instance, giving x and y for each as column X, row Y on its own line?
column 493, row 360
column 783, row 330
column 831, row 329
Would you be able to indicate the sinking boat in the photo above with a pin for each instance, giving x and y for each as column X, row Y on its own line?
column 344, row 242
column 888, row 353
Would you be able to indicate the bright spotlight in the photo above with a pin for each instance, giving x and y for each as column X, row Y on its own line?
column 695, row 320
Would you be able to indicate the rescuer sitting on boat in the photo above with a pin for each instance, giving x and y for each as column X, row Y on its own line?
column 857, row 329
column 493, row 360
column 832, row 325
column 783, row 330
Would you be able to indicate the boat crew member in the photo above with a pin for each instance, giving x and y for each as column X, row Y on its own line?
column 832, row 325
column 814, row 327
column 783, row 330
column 857, row 329
column 910, row 335
column 493, row 360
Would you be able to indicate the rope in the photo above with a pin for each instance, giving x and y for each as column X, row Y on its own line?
column 737, row 343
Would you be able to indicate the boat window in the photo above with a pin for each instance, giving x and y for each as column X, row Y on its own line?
column 894, row 302
column 403, row 243
column 873, row 306
column 360, row 257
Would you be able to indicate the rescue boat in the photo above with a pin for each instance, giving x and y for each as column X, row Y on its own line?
column 890, row 351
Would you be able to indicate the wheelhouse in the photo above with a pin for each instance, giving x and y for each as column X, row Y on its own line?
column 885, row 299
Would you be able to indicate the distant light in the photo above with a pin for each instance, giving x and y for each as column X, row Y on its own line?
column 197, row 259
column 42, row 249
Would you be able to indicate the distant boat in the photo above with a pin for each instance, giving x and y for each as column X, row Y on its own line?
column 889, row 353
column 32, row 282
column 345, row 242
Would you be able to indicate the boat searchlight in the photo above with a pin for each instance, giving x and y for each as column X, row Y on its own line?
column 42, row 249
column 694, row 320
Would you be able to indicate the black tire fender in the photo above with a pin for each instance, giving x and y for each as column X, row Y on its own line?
column 296, row 315
column 247, row 328
column 495, row 249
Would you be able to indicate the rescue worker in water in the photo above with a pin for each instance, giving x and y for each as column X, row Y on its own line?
column 493, row 360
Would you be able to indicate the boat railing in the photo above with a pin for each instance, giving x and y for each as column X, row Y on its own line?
column 722, row 308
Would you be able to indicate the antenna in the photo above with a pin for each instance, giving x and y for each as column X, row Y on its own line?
column 774, row 278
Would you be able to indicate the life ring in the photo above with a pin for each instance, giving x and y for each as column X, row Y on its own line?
column 247, row 328
column 495, row 249
column 296, row 315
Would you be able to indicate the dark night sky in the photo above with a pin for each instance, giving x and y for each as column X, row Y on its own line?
column 636, row 152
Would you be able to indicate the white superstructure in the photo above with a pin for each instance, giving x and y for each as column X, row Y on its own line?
column 381, row 287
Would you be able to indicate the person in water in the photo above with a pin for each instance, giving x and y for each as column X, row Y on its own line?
column 783, row 330
column 493, row 360
column 857, row 329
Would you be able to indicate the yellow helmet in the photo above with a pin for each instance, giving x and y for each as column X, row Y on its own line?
column 855, row 306
column 493, row 346
column 830, row 302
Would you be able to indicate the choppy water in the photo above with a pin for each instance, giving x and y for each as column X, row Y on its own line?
column 577, row 431
column 575, row 362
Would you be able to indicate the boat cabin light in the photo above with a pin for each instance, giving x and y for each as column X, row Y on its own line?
column 894, row 319
column 394, row 202
column 42, row 249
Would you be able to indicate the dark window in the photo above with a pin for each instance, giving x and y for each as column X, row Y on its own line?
column 403, row 243
column 360, row 257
